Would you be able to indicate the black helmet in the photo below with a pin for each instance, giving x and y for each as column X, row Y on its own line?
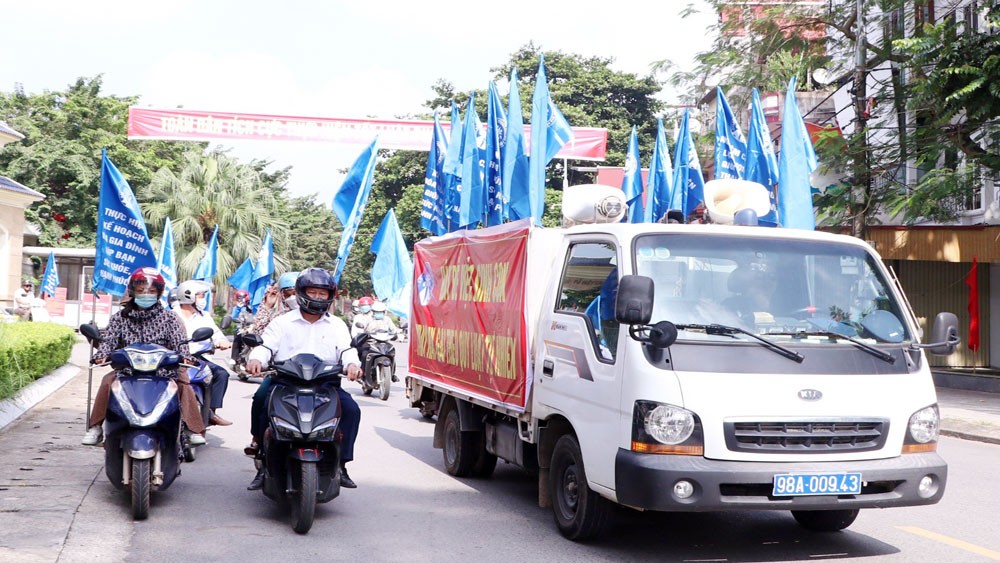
column 319, row 278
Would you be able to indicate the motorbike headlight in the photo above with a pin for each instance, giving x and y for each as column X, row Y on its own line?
column 325, row 431
column 145, row 361
column 922, row 430
column 662, row 428
column 142, row 420
column 286, row 429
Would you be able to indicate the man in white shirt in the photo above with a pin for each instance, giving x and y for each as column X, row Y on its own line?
column 192, row 300
column 23, row 297
column 308, row 330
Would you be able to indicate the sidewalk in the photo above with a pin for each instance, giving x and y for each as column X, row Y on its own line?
column 46, row 476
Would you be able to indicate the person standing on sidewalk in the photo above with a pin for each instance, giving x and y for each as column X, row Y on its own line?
column 142, row 318
column 192, row 297
column 23, row 299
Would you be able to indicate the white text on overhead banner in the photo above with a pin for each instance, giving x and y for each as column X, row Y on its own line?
column 588, row 143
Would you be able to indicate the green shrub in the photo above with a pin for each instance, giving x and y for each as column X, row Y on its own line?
column 29, row 351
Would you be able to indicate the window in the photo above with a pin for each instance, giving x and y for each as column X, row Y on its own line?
column 971, row 17
column 589, row 288
column 923, row 12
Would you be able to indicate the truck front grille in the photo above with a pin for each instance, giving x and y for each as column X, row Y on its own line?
column 811, row 436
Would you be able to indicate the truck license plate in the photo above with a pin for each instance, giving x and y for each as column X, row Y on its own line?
column 802, row 484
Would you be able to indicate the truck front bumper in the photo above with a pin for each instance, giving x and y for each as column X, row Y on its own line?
column 646, row 481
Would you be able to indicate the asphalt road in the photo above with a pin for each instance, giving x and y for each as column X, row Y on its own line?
column 407, row 508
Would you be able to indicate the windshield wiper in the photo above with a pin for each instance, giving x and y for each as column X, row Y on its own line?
column 724, row 330
column 884, row 356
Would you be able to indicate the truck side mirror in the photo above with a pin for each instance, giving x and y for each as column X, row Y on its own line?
column 634, row 304
column 944, row 335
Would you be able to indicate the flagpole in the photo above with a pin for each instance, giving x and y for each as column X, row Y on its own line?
column 90, row 363
column 565, row 174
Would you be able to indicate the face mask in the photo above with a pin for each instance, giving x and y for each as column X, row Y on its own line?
column 379, row 315
column 364, row 308
column 201, row 303
column 145, row 301
column 292, row 302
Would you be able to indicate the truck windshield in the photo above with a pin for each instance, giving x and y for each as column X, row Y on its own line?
column 786, row 289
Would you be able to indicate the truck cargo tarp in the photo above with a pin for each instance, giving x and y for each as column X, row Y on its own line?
column 469, row 328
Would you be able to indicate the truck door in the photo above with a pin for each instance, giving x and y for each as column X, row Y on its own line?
column 580, row 351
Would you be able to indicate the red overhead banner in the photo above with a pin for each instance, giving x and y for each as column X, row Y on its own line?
column 468, row 327
column 589, row 143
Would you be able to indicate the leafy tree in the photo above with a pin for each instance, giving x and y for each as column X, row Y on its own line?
column 60, row 155
column 210, row 190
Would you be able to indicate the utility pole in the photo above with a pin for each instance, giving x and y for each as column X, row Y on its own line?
column 862, row 171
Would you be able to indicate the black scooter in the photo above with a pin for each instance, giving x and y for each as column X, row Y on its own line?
column 142, row 427
column 301, row 449
column 239, row 364
column 379, row 361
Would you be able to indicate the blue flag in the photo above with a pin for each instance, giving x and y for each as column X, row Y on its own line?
column 165, row 261
column 660, row 179
column 496, row 140
column 207, row 267
column 432, row 216
column 762, row 164
column 473, row 203
column 689, row 184
column 359, row 181
column 795, row 163
column 549, row 132
column 515, row 158
column 122, row 244
column 453, row 171
column 632, row 179
column 730, row 145
column 243, row 275
column 50, row 281
column 261, row 276
column 392, row 271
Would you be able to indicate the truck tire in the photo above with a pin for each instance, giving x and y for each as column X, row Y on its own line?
column 460, row 448
column 580, row 513
column 825, row 520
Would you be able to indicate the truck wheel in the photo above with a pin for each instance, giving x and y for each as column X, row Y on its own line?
column 825, row 520
column 460, row 451
column 581, row 514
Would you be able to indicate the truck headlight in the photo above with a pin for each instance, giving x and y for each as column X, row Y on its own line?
column 922, row 430
column 668, row 429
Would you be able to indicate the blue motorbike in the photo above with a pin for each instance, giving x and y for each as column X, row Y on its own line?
column 142, row 427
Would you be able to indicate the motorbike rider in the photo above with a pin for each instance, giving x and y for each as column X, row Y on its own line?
column 308, row 329
column 142, row 318
column 277, row 301
column 380, row 321
column 242, row 316
column 192, row 298
column 364, row 316
column 172, row 299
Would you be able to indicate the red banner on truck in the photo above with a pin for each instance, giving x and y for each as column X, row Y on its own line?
column 469, row 330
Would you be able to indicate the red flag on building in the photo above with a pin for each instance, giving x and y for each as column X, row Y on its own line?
column 972, row 280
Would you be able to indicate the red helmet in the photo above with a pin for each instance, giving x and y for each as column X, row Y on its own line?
column 366, row 301
column 146, row 276
column 241, row 294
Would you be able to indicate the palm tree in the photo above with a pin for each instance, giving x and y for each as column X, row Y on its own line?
column 214, row 189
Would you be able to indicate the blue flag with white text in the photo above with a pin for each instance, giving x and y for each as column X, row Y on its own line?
column 515, row 158
column 730, row 145
column 549, row 132
column 660, row 179
column 166, row 263
column 243, row 275
column 496, row 138
column 263, row 269
column 453, row 171
column 432, row 209
column 689, row 184
column 473, row 200
column 123, row 244
column 359, row 181
column 796, row 162
column 392, row 271
column 632, row 179
column 50, row 281
column 762, row 163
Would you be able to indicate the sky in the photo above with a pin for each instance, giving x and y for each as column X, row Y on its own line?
column 334, row 58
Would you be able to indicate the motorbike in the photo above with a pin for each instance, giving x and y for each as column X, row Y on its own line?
column 379, row 363
column 142, row 427
column 239, row 364
column 300, row 452
column 200, row 376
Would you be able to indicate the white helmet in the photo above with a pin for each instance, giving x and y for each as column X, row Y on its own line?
column 378, row 307
column 188, row 291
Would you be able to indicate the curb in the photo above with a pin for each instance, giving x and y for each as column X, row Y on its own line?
column 11, row 409
column 968, row 436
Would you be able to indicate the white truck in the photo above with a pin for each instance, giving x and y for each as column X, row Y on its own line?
column 674, row 367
